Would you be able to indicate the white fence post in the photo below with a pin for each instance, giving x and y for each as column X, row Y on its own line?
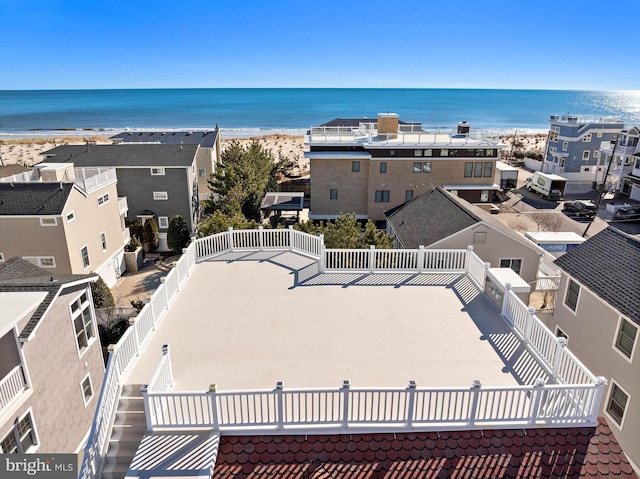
column 147, row 406
column 411, row 390
column 468, row 259
column 153, row 314
column 536, row 400
column 420, row 259
column 345, row 402
column 291, row 233
column 165, row 352
column 280, row 404
column 557, row 358
column 473, row 411
column 372, row 258
column 506, row 300
column 261, row 237
column 163, row 280
column 601, row 384
column 531, row 312
column 322, row 261
column 230, row 233
column 132, row 324
column 213, row 389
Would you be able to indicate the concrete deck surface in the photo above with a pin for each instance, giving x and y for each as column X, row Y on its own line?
column 248, row 320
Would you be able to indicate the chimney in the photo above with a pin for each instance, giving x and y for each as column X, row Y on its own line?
column 388, row 123
column 463, row 128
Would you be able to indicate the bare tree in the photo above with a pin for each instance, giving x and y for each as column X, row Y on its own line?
column 547, row 221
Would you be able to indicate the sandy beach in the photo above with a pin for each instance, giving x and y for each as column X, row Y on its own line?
column 26, row 151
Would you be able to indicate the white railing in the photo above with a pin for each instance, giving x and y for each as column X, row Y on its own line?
column 123, row 354
column 12, row 385
column 477, row 269
column 91, row 179
column 25, row 177
column 126, row 236
column 123, row 205
column 347, row 409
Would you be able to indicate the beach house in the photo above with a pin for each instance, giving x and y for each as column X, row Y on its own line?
column 51, row 363
column 64, row 219
column 419, row 222
column 207, row 157
column 368, row 363
column 367, row 166
column 598, row 311
column 625, row 156
column 159, row 180
column 574, row 141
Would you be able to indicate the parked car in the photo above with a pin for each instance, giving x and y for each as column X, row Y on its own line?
column 627, row 213
column 582, row 208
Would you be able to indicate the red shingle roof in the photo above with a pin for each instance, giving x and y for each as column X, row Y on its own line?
column 521, row 453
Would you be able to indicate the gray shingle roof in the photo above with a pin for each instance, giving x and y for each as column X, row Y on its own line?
column 17, row 274
column 206, row 139
column 33, row 198
column 428, row 218
column 608, row 264
column 356, row 122
column 124, row 155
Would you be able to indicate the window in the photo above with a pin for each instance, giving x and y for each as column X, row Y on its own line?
column 70, row 217
column 87, row 389
column 1, row 258
column 417, row 152
column 103, row 240
column 585, row 155
column 48, row 221
column 573, row 291
column 587, row 137
column 382, row 196
column 444, row 152
column 561, row 334
column 383, row 167
column 479, row 237
column 160, row 195
column 41, row 261
column 617, row 403
column 565, row 145
column 477, row 169
column 355, row 166
column 490, row 152
column 488, row 169
column 84, row 252
column 596, row 154
column 417, row 167
column 426, row 167
column 514, row 264
column 453, row 152
column 561, row 162
column 333, row 194
column 408, row 195
column 163, row 222
column 82, row 321
column 626, row 338
column 428, row 152
column 392, row 152
column 468, row 169
column 484, row 196
column 103, row 199
column 157, row 171
column 202, row 172
column 553, row 133
column 21, row 438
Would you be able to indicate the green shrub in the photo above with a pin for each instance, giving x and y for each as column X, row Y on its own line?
column 150, row 234
column 178, row 234
column 101, row 294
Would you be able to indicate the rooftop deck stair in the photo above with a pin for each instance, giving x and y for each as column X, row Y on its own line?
column 128, row 430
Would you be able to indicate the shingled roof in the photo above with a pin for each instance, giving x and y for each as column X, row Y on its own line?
column 124, row 155
column 355, row 122
column 17, row 274
column 206, row 139
column 608, row 264
column 33, row 198
column 518, row 453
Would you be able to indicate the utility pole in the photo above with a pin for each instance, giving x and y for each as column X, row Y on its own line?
column 601, row 189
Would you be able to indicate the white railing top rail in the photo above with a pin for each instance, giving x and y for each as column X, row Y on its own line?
column 11, row 385
column 25, row 177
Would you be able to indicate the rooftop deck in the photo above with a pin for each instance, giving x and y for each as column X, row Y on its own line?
column 250, row 319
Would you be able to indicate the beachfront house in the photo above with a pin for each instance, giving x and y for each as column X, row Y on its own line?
column 51, row 363
column 64, row 219
column 159, row 181
column 419, row 222
column 366, row 167
column 573, row 145
column 207, row 157
column 399, row 366
column 625, row 165
column 598, row 311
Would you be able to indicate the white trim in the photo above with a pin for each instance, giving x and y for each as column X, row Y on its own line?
column 1, row 257
column 88, row 304
column 566, row 291
column 519, row 273
column 629, row 359
column 605, row 406
column 14, row 430
column 103, row 242
column 103, row 199
column 564, row 334
column 39, row 261
column 84, row 267
column 73, row 216
column 161, row 220
column 160, row 195
column 55, row 221
column 333, row 217
column 84, row 399
column 159, row 171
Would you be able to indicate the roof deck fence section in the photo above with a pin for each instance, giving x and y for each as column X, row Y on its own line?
column 91, row 179
column 24, row 177
column 11, row 386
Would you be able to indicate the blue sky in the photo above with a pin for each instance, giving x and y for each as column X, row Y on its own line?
column 537, row 44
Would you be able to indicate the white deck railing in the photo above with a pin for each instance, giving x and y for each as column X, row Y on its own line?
column 91, row 179
column 11, row 385
column 123, row 354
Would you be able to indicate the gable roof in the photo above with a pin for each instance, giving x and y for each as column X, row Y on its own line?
column 517, row 453
column 124, row 155
column 34, row 198
column 206, row 139
column 608, row 264
column 17, row 274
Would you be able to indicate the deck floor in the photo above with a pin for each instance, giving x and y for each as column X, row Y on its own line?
column 248, row 320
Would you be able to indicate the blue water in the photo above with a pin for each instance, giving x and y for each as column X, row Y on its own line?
column 250, row 111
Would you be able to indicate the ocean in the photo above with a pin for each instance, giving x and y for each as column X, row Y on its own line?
column 256, row 111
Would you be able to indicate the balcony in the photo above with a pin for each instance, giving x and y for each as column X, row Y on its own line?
column 123, row 206
column 393, row 340
column 11, row 386
column 126, row 236
column 92, row 179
